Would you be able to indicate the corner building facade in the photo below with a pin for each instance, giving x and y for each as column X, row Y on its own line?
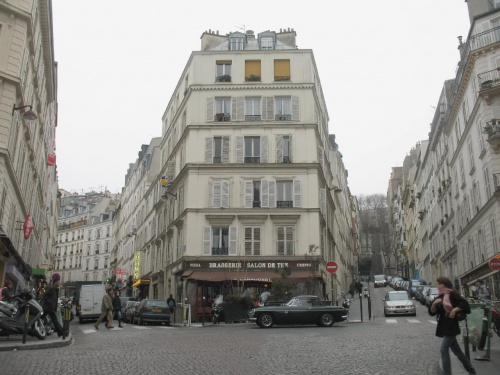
column 246, row 154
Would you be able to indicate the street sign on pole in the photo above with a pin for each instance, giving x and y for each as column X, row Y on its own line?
column 495, row 264
column 331, row 267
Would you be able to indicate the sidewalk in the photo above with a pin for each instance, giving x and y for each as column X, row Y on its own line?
column 15, row 342
column 482, row 367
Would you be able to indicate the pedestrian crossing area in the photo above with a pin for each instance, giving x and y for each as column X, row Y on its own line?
column 116, row 329
column 412, row 321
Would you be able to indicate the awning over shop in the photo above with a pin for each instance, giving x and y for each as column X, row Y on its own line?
column 141, row 282
column 265, row 276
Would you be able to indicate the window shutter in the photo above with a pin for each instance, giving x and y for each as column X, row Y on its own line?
column 170, row 172
column 233, row 109
column 272, row 194
column 290, row 147
column 225, row 193
column 248, row 241
column 322, row 202
column 320, row 156
column 295, row 108
column 289, row 240
column 281, row 241
column 264, row 193
column 270, row 108
column 207, row 240
column 225, row 149
column 248, row 194
column 239, row 103
column 209, row 142
column 239, row 149
column 263, row 148
column 233, row 240
column 256, row 241
column 216, row 194
column 297, row 197
column 279, row 148
column 210, row 109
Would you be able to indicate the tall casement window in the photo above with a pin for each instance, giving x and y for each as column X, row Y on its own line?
column 486, row 176
column 217, row 150
column 220, row 194
column 222, row 109
column 252, row 70
column 480, row 137
column 267, row 43
column 285, row 240
column 272, row 194
column 283, row 146
column 282, row 70
column 223, row 73
column 462, row 172
column 252, row 241
column 252, row 109
column 471, row 155
column 220, row 240
column 96, row 264
column 494, row 238
column 236, row 44
column 283, row 109
column 252, row 194
column 284, row 194
column 252, row 149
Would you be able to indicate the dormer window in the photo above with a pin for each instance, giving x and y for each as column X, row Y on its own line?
column 267, row 43
column 236, row 44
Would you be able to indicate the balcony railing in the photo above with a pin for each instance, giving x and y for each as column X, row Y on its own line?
column 252, row 117
column 489, row 79
column 224, row 78
column 222, row 117
column 252, row 78
column 496, row 182
column 217, row 160
column 220, row 251
column 283, row 117
column 286, row 159
column 282, row 78
column 252, row 159
column 284, row 204
column 256, row 204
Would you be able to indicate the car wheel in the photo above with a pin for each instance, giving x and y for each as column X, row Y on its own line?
column 326, row 320
column 385, row 313
column 140, row 322
column 80, row 319
column 266, row 320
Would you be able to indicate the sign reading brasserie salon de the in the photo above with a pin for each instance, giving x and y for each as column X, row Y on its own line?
column 247, row 265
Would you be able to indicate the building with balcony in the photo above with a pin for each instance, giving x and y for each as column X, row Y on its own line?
column 245, row 187
column 28, row 120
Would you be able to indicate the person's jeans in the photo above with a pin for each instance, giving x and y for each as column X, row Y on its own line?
column 450, row 342
column 55, row 321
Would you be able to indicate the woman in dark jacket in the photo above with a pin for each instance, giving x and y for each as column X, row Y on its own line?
column 446, row 306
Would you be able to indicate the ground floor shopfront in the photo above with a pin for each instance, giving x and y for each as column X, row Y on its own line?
column 199, row 282
column 489, row 276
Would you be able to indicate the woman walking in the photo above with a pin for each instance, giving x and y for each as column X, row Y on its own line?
column 448, row 303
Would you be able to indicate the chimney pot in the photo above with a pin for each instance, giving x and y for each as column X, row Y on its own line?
column 217, row 32
column 288, row 29
column 210, row 31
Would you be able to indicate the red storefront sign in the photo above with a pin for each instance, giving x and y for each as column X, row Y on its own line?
column 28, row 226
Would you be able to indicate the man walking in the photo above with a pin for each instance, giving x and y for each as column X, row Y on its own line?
column 117, row 308
column 49, row 302
column 106, row 310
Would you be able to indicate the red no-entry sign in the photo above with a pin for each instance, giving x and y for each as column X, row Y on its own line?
column 331, row 267
column 495, row 264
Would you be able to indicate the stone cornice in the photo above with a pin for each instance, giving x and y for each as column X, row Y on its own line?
column 246, row 86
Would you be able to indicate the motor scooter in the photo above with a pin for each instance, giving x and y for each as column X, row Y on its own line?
column 23, row 310
column 366, row 293
column 495, row 318
column 347, row 302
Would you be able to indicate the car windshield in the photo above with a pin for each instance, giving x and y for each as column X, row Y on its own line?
column 379, row 278
column 397, row 297
column 156, row 303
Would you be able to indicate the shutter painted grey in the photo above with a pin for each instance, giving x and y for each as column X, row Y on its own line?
column 289, row 242
column 248, row 194
column 280, row 248
column 216, row 194
column 264, row 193
column 297, row 196
column 170, row 172
column 240, row 108
column 256, row 241
column 320, row 156
column 225, row 150
column 279, row 148
column 233, row 109
column 322, row 202
column 270, row 108
column 290, row 147
column 209, row 150
column 263, row 148
column 210, row 109
column 239, row 150
column 233, row 241
column 225, row 193
column 295, row 108
column 207, row 240
column 248, row 240
column 272, row 194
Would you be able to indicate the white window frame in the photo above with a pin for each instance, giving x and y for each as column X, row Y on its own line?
column 253, row 241
column 285, row 241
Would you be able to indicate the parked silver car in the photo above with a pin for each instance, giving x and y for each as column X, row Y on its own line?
column 431, row 295
column 399, row 303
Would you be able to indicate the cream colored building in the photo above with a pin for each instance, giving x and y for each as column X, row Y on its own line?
column 250, row 173
column 28, row 183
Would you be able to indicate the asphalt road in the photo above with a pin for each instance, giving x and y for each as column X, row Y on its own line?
column 379, row 346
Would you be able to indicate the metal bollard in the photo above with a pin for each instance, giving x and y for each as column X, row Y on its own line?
column 361, row 305
column 369, row 308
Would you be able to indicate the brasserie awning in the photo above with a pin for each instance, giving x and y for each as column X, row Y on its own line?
column 265, row 276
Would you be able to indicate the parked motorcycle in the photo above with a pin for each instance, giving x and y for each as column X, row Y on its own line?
column 495, row 318
column 347, row 302
column 217, row 313
column 366, row 293
column 21, row 309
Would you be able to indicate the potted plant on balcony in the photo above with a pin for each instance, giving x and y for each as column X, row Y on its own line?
column 253, row 77
column 224, row 78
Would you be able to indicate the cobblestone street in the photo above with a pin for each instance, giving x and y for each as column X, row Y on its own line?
column 381, row 346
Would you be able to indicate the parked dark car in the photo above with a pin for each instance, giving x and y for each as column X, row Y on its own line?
column 431, row 295
column 421, row 291
column 412, row 286
column 152, row 311
column 306, row 309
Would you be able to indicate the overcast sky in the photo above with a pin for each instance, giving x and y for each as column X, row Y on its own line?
column 381, row 63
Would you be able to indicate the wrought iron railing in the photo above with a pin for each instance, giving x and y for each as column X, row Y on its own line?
column 252, row 117
column 284, row 204
column 252, row 78
column 286, row 159
column 222, row 117
column 488, row 79
column 496, row 181
column 282, row 78
column 252, row 159
column 224, row 78
column 283, row 117
column 256, row 204
column 220, row 251
column 217, row 159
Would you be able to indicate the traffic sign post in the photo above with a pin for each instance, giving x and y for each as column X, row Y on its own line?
column 331, row 267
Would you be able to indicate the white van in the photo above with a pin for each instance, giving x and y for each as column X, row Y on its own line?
column 91, row 301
